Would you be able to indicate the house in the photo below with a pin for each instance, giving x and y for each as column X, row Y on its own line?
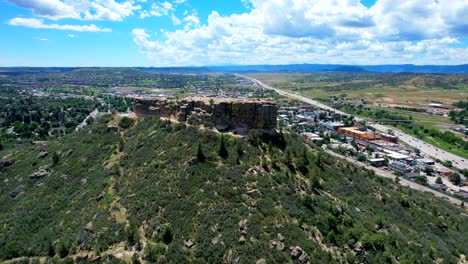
column 412, row 175
column 395, row 155
column 399, row 166
column 377, row 162
column 427, row 162
column 439, row 186
column 311, row 137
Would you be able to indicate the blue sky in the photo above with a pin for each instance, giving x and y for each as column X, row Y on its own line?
column 198, row 32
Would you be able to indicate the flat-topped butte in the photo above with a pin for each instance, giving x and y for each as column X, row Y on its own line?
column 237, row 115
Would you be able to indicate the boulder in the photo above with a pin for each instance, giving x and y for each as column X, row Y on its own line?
column 189, row 244
column 280, row 237
column 261, row 261
column 89, row 227
column 242, row 240
column 303, row 258
column 7, row 163
column 41, row 173
column 280, row 246
column 296, row 252
column 43, row 154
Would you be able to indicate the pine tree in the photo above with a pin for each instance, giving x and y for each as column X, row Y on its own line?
column 55, row 158
column 200, row 156
column 239, row 150
column 222, row 151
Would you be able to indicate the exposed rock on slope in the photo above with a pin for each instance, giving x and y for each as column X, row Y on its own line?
column 239, row 115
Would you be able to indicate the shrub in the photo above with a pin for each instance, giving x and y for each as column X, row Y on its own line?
column 55, row 158
column 200, row 156
column 133, row 234
column 455, row 178
column 61, row 249
column 153, row 252
column 126, row 122
column 167, row 236
column 373, row 242
column 222, row 150
column 135, row 259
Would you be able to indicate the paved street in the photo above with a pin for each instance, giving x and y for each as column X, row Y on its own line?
column 93, row 114
column 428, row 149
column 403, row 181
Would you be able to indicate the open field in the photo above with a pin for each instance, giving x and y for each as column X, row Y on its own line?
column 410, row 90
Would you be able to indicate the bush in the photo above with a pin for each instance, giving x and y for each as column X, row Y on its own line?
column 152, row 252
column 135, row 259
column 200, row 156
column 373, row 242
column 222, row 151
column 254, row 137
column 55, row 158
column 133, row 234
column 167, row 236
column 126, row 122
column 61, row 249
column 455, row 178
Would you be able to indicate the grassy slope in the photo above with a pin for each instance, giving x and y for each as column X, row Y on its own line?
column 410, row 90
column 35, row 213
column 327, row 207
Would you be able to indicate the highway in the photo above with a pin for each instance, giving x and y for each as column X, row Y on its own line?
column 425, row 148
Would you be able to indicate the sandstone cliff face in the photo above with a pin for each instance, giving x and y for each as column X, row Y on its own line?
column 239, row 115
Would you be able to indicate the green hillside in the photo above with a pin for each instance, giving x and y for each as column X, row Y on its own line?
column 162, row 192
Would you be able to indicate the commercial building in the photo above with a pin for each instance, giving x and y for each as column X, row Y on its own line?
column 377, row 162
column 399, row 166
column 358, row 133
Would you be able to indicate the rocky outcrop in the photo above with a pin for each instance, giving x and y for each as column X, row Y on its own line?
column 41, row 173
column 239, row 115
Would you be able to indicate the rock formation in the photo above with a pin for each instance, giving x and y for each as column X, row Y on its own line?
column 239, row 115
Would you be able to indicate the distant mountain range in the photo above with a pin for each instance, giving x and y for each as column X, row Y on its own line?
column 407, row 68
column 402, row 68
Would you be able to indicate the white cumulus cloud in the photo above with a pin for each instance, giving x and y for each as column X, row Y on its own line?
column 320, row 31
column 39, row 23
column 80, row 9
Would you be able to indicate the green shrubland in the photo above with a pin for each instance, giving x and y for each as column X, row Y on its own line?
column 165, row 191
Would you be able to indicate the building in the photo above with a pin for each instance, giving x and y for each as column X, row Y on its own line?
column 334, row 125
column 399, row 166
column 358, row 133
column 377, row 162
column 395, row 155
column 427, row 162
column 412, row 175
column 311, row 137
column 390, row 138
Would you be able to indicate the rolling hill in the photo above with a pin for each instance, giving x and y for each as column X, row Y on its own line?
column 164, row 192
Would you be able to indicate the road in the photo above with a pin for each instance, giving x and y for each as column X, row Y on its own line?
column 403, row 181
column 425, row 148
column 93, row 114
